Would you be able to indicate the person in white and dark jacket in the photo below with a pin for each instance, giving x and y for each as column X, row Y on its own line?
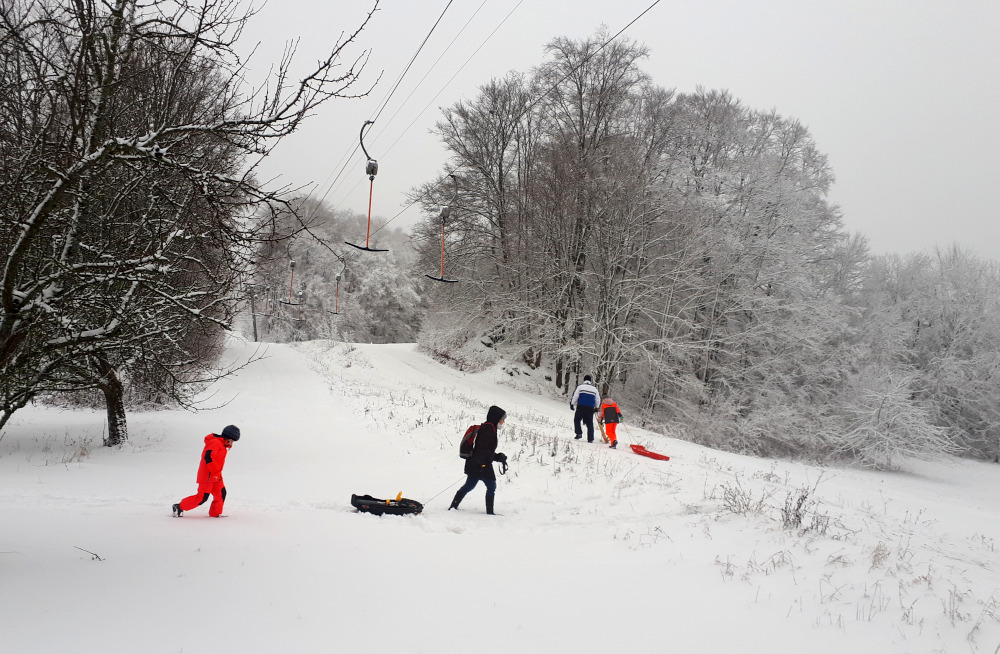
column 585, row 402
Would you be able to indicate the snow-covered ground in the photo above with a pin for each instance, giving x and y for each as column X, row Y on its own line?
column 595, row 551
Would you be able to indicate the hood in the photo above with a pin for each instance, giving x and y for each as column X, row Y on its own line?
column 495, row 415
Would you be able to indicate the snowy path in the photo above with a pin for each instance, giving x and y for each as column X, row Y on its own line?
column 596, row 550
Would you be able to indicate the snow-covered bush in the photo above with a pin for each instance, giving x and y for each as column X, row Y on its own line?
column 887, row 424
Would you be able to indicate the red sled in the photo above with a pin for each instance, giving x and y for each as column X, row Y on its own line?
column 639, row 449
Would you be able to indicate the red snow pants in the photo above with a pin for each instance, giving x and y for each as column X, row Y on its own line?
column 609, row 429
column 216, row 489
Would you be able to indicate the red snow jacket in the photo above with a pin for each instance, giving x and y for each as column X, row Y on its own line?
column 213, row 459
column 610, row 413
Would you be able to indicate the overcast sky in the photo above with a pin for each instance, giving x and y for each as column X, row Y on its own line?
column 902, row 95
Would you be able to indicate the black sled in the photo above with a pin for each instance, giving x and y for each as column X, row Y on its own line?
column 375, row 506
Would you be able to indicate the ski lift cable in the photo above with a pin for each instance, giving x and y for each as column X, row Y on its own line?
column 433, row 66
column 533, row 103
column 452, row 78
column 431, row 101
column 440, row 91
column 385, row 101
column 388, row 97
column 524, row 111
column 346, row 159
column 412, row 59
column 349, row 39
column 402, row 75
column 585, row 61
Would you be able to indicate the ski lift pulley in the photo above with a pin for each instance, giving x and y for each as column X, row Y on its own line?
column 445, row 214
column 371, row 169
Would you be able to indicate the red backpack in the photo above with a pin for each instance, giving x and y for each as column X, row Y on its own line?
column 468, row 442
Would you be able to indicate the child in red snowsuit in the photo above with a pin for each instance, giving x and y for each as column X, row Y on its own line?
column 610, row 416
column 210, row 483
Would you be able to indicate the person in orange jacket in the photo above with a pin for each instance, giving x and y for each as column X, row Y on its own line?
column 609, row 416
column 210, row 483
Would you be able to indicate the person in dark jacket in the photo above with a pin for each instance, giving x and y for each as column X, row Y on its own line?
column 479, row 465
column 210, row 483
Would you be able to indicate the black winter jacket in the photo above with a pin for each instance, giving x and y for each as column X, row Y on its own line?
column 480, row 462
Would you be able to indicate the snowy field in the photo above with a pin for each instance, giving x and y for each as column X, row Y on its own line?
column 595, row 551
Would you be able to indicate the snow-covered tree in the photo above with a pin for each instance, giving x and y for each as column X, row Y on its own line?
column 127, row 139
column 935, row 318
column 761, row 295
column 679, row 247
column 332, row 290
column 888, row 424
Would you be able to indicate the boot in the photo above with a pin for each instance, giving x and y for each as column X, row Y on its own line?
column 177, row 510
column 458, row 500
column 489, row 506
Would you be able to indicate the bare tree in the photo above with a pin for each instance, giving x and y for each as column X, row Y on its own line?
column 544, row 165
column 126, row 188
column 591, row 86
column 491, row 141
column 679, row 247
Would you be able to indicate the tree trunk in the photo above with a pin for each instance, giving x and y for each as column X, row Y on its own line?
column 114, row 397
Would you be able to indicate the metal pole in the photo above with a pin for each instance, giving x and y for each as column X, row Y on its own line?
column 253, row 314
column 371, row 189
column 442, row 248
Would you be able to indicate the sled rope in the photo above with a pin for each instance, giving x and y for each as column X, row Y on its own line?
column 444, row 489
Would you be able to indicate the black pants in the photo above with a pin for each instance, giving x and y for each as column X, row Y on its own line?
column 586, row 414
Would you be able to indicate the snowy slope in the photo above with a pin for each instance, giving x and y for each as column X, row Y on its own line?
column 596, row 550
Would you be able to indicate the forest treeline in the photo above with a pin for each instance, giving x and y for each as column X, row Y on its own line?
column 679, row 247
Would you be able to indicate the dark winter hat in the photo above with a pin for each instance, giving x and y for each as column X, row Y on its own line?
column 495, row 415
column 588, row 378
column 232, row 432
